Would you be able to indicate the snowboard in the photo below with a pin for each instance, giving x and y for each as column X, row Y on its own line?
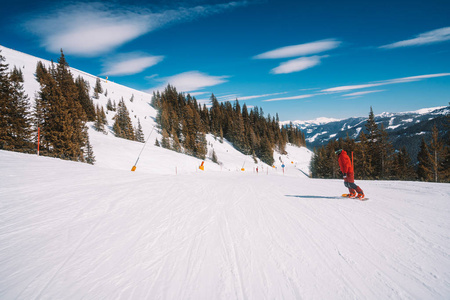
column 362, row 199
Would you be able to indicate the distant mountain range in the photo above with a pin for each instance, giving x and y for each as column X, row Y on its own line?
column 404, row 129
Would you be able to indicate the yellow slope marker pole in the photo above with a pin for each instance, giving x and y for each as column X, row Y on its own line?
column 134, row 167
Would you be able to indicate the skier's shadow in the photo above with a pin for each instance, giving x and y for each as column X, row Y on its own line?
column 312, row 197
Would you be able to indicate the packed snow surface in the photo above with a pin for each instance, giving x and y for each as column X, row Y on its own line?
column 71, row 230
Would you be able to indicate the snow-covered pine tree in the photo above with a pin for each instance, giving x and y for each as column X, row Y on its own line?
column 89, row 153
column 98, row 88
column 109, row 105
column 103, row 116
column 214, row 157
column 139, row 135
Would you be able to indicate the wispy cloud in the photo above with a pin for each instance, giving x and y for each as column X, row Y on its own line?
column 130, row 64
column 90, row 29
column 357, row 94
column 191, row 81
column 298, row 64
column 384, row 82
column 430, row 37
column 291, row 98
column 225, row 98
column 300, row 50
column 259, row 96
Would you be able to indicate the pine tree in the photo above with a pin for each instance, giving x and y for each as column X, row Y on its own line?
column 436, row 151
column 122, row 126
column 84, row 98
column 58, row 112
column 5, row 105
column 98, row 88
column 109, row 105
column 103, row 116
column 98, row 124
column 373, row 140
column 139, row 133
column 75, row 135
column 165, row 142
column 52, row 116
column 176, row 146
column 424, row 172
column 89, row 153
column 385, row 150
column 19, row 129
column 402, row 168
column 214, row 157
column 363, row 161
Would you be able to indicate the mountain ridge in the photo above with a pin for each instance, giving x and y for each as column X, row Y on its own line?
column 405, row 129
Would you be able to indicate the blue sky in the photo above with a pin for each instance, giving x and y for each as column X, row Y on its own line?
column 300, row 59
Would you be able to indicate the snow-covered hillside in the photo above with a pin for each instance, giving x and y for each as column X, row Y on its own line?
column 70, row 230
column 121, row 154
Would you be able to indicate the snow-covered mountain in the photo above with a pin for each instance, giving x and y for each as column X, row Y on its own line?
column 404, row 129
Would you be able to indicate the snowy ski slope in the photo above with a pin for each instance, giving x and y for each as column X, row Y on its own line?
column 70, row 230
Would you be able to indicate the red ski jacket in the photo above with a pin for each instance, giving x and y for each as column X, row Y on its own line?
column 344, row 163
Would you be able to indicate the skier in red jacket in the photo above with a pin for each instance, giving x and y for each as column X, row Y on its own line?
column 349, row 175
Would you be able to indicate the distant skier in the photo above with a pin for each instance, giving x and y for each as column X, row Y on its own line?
column 349, row 175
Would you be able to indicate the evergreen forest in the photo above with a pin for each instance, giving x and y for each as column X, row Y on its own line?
column 184, row 123
column 374, row 156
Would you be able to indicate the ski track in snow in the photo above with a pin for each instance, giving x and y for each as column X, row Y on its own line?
column 72, row 231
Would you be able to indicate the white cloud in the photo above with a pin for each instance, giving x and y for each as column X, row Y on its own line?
column 291, row 98
column 356, row 94
column 130, row 64
column 191, row 81
column 227, row 98
column 384, row 82
column 352, row 87
column 300, row 50
column 298, row 64
column 259, row 96
column 430, row 37
column 91, row 29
